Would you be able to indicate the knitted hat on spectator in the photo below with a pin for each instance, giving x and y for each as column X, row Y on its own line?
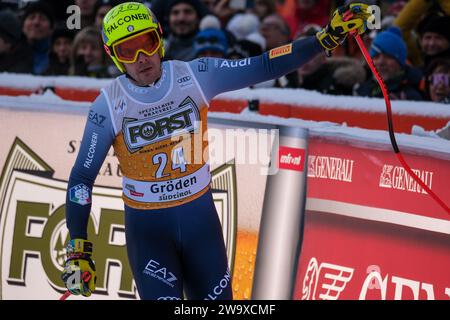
column 243, row 24
column 10, row 28
column 390, row 42
column 42, row 7
column 210, row 40
column 439, row 25
column 209, row 22
column 196, row 4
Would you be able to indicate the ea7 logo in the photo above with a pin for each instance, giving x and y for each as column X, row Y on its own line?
column 154, row 269
column 96, row 118
column 139, row 133
column 330, row 279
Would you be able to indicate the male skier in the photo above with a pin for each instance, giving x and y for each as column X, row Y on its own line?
column 152, row 115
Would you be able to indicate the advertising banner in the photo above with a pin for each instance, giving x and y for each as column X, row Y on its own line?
column 370, row 231
column 37, row 152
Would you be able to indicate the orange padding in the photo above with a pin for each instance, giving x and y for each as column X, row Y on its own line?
column 64, row 93
column 353, row 118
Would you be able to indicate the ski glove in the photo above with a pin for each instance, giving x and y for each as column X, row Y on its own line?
column 79, row 269
column 345, row 19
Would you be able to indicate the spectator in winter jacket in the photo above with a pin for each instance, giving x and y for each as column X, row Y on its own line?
column 408, row 19
column 38, row 21
column 14, row 50
column 60, row 55
column 388, row 52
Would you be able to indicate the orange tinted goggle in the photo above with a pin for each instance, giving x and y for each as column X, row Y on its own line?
column 127, row 50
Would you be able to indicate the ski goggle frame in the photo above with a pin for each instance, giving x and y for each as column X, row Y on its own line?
column 127, row 50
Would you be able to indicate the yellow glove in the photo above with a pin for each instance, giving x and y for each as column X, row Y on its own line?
column 79, row 269
column 346, row 19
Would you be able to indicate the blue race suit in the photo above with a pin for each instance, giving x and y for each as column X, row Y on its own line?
column 173, row 234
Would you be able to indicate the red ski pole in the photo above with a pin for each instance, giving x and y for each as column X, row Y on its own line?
column 348, row 15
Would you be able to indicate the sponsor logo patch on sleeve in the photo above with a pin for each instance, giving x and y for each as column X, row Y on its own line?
column 80, row 194
column 280, row 51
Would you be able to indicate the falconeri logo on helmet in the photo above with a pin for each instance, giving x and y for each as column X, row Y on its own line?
column 126, row 19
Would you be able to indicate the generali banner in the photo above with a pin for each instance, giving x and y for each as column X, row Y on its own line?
column 370, row 231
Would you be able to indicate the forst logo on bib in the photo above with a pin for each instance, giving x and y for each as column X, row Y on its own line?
column 139, row 133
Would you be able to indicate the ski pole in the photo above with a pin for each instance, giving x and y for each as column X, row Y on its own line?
column 348, row 15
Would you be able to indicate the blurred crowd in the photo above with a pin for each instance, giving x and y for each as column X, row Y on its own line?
column 411, row 49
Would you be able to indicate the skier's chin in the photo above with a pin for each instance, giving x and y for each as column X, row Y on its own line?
column 146, row 78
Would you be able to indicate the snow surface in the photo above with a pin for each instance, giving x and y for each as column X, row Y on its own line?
column 356, row 136
column 301, row 97
column 434, row 146
column 295, row 97
column 28, row 81
column 48, row 102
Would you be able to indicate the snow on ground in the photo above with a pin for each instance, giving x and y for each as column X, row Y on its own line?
column 28, row 81
column 356, row 136
column 301, row 97
column 49, row 102
column 295, row 97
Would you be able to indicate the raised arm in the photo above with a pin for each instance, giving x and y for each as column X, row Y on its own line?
column 220, row 75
